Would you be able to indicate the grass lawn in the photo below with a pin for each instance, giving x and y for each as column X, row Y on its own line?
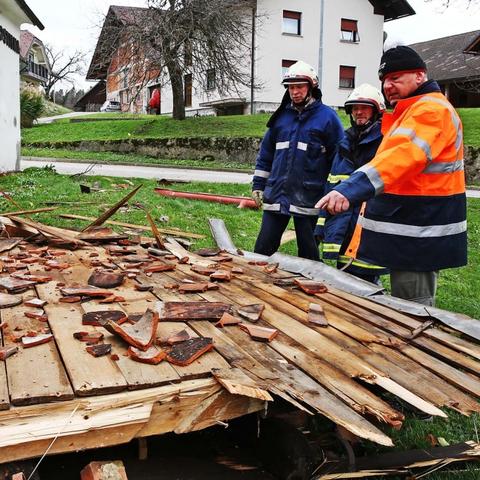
column 458, row 291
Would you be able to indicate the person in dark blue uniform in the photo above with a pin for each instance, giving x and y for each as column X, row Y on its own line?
column 294, row 161
column 365, row 105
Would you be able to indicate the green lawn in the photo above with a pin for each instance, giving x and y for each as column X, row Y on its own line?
column 459, row 288
column 144, row 126
column 471, row 125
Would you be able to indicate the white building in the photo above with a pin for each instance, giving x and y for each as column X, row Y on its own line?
column 341, row 39
column 12, row 14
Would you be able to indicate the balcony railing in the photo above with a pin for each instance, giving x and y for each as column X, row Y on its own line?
column 36, row 70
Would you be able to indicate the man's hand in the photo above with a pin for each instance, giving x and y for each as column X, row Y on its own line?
column 334, row 202
column 257, row 196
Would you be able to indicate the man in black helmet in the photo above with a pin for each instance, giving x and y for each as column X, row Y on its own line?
column 415, row 219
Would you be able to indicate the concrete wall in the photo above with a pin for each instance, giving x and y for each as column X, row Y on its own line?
column 9, row 100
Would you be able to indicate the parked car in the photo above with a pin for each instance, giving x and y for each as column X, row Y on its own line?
column 111, row 106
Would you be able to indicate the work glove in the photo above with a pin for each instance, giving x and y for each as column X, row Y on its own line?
column 257, row 196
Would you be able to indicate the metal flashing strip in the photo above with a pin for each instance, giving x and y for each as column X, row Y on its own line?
column 348, row 283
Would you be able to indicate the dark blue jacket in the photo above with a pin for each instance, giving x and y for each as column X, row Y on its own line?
column 355, row 150
column 295, row 158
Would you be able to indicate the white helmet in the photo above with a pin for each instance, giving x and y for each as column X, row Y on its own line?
column 365, row 94
column 300, row 72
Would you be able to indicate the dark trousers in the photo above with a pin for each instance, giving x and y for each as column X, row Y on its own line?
column 271, row 231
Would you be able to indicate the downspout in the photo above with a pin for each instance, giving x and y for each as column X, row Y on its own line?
column 320, row 46
column 252, row 60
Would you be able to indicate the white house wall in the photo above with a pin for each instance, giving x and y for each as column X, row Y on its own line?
column 364, row 55
column 9, row 101
column 273, row 46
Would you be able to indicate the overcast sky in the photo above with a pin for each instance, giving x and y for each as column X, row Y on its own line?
column 75, row 24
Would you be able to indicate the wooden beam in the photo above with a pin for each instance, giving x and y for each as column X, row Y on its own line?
column 166, row 231
column 28, row 212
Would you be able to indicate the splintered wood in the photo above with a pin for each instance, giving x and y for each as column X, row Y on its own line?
column 115, row 325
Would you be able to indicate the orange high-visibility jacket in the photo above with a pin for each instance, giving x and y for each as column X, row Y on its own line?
column 417, row 220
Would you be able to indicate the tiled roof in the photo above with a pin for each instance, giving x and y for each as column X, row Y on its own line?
column 26, row 40
column 445, row 58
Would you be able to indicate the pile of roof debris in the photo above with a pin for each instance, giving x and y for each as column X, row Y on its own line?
column 311, row 344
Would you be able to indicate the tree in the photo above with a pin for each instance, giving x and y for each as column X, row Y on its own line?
column 451, row 3
column 207, row 39
column 63, row 68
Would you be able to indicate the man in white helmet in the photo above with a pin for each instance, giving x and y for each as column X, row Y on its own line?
column 365, row 105
column 294, row 161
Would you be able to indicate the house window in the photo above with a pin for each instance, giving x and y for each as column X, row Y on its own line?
column 349, row 31
column 211, row 84
column 347, row 77
column 286, row 64
column 291, row 22
column 188, row 90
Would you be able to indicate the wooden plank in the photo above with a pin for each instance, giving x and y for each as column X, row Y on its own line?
column 402, row 462
column 51, row 231
column 137, row 375
column 167, row 231
column 325, row 348
column 200, row 367
column 434, row 341
column 434, row 387
column 471, row 384
column 113, row 419
column 348, row 301
column 112, row 210
column 28, row 212
column 290, row 380
column 237, row 382
column 35, row 375
column 88, row 375
column 4, row 398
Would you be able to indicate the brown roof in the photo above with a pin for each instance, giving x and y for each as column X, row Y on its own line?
column 116, row 16
column 26, row 40
column 445, row 57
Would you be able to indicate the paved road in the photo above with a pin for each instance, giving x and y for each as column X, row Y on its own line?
column 65, row 115
column 131, row 171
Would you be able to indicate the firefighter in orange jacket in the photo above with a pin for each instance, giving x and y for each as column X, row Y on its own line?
column 414, row 222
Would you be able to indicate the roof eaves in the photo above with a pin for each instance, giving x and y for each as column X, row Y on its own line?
column 392, row 9
column 29, row 13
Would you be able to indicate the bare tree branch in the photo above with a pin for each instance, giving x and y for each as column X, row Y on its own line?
column 63, row 67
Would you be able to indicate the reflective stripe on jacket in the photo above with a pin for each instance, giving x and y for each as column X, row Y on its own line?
column 295, row 158
column 355, row 150
column 417, row 221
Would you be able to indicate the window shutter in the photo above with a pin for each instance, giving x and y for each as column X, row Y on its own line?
column 288, row 63
column 347, row 73
column 349, row 25
column 290, row 14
